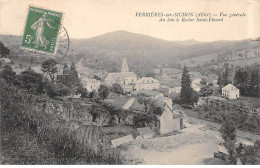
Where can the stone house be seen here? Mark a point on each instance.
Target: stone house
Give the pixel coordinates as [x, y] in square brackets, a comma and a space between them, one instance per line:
[90, 84]
[230, 91]
[147, 83]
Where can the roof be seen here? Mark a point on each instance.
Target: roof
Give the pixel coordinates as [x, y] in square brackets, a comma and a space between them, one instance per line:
[119, 76]
[137, 106]
[118, 141]
[196, 80]
[147, 80]
[89, 80]
[167, 71]
[230, 87]
[126, 102]
[120, 101]
[149, 92]
[223, 149]
[144, 131]
[169, 81]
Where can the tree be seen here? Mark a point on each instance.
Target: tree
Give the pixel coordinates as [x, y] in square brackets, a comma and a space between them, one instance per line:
[92, 94]
[187, 98]
[49, 67]
[82, 91]
[205, 91]
[31, 81]
[228, 130]
[58, 89]
[228, 133]
[144, 99]
[103, 92]
[8, 74]
[248, 155]
[4, 51]
[203, 81]
[74, 78]
[116, 88]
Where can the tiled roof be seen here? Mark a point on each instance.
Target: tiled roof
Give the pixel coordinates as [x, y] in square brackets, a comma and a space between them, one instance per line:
[230, 87]
[147, 80]
[119, 76]
[144, 131]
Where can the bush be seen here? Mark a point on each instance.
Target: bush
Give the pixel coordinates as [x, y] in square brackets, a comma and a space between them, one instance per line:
[63, 146]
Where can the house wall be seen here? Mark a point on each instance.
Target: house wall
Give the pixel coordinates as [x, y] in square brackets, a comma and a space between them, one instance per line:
[230, 94]
[168, 124]
[233, 94]
[147, 86]
[90, 86]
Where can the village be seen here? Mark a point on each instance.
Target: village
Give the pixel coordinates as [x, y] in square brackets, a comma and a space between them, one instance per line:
[159, 96]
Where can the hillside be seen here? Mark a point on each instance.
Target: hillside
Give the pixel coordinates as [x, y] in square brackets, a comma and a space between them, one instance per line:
[142, 52]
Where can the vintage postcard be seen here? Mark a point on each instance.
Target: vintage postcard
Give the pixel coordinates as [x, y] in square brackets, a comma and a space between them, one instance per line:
[130, 82]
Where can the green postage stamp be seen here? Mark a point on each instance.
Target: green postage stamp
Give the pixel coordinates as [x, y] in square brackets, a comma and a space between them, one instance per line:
[41, 30]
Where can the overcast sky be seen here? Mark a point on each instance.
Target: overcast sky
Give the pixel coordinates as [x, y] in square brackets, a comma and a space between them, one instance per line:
[89, 18]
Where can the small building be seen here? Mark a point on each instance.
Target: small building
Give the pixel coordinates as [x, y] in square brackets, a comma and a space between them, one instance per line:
[91, 84]
[222, 153]
[122, 140]
[145, 132]
[230, 91]
[147, 83]
[196, 84]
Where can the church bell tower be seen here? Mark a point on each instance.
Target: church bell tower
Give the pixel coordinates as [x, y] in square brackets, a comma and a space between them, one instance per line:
[124, 67]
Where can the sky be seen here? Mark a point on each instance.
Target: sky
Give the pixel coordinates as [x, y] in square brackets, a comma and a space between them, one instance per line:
[90, 18]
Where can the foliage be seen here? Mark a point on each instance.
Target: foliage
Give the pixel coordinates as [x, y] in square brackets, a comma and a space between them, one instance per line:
[50, 137]
[103, 92]
[144, 99]
[49, 67]
[205, 91]
[248, 155]
[247, 81]
[73, 77]
[8, 74]
[82, 91]
[93, 94]
[144, 119]
[31, 81]
[187, 97]
[223, 77]
[156, 110]
[116, 88]
[203, 81]
[58, 89]
[228, 131]
[4, 51]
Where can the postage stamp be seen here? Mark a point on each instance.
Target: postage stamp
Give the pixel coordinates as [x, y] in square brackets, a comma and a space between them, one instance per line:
[41, 30]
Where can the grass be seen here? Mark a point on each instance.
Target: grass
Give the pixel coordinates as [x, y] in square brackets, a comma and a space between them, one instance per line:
[31, 136]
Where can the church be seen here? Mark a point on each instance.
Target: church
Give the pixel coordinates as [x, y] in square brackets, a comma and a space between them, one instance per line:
[124, 78]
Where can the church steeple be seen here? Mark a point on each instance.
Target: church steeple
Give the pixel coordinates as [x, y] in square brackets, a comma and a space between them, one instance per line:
[124, 67]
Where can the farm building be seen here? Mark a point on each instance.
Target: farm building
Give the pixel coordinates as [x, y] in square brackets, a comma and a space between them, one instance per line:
[147, 83]
[230, 91]
[145, 132]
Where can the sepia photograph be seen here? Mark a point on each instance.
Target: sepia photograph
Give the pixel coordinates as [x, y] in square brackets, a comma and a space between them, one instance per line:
[130, 82]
